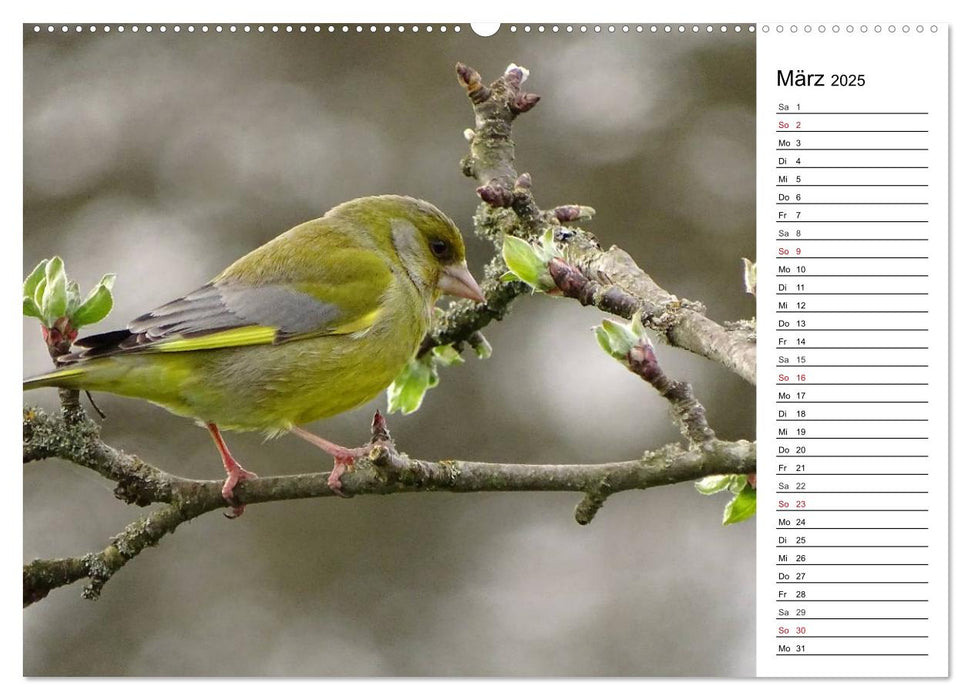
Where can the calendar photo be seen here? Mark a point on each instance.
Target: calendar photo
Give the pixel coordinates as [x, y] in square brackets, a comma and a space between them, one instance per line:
[383, 350]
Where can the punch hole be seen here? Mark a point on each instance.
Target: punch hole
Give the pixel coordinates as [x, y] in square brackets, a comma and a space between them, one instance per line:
[485, 28]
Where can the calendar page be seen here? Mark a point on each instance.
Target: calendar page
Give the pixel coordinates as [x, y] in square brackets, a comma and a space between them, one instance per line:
[547, 349]
[853, 232]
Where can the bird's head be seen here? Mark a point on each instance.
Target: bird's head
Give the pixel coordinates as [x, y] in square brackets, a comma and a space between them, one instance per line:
[430, 247]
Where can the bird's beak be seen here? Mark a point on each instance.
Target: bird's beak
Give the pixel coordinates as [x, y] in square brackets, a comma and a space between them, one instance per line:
[458, 281]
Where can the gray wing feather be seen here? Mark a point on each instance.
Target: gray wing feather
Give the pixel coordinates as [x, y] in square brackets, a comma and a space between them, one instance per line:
[221, 307]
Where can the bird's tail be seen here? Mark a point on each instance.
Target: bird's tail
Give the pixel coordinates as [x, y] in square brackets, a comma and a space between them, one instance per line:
[67, 378]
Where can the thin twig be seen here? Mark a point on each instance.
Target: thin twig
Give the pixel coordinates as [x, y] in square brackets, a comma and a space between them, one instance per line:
[618, 285]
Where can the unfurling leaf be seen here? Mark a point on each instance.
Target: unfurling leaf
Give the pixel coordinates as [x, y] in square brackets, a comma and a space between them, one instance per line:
[529, 263]
[741, 507]
[751, 276]
[618, 339]
[447, 355]
[31, 308]
[483, 350]
[713, 484]
[96, 305]
[408, 389]
[54, 301]
[34, 278]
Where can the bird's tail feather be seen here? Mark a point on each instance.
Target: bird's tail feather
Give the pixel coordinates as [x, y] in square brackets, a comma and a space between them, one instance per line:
[64, 378]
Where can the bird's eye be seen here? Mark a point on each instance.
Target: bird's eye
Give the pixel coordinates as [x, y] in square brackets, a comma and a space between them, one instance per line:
[439, 248]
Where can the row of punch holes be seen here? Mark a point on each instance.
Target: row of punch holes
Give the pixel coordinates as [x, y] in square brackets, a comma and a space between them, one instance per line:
[400, 28]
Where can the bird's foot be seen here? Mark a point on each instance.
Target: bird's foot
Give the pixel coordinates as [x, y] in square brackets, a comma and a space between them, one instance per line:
[344, 457]
[343, 462]
[236, 474]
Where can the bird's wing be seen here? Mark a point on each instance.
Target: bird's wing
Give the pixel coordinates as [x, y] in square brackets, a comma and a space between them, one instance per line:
[225, 313]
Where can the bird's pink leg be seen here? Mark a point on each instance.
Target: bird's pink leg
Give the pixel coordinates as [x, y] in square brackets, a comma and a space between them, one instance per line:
[343, 456]
[234, 471]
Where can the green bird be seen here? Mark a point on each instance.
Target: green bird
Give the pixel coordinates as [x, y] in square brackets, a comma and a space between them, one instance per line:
[314, 323]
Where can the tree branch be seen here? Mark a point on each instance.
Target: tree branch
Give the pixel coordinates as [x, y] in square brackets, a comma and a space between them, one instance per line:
[613, 282]
[385, 471]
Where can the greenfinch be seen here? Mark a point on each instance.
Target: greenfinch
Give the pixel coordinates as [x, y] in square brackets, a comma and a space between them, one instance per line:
[312, 324]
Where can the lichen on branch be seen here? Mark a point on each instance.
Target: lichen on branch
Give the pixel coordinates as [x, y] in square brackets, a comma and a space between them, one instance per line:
[610, 279]
[384, 471]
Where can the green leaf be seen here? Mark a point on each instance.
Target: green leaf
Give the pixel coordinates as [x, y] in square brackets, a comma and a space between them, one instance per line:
[483, 350]
[34, 278]
[713, 484]
[616, 339]
[741, 507]
[738, 483]
[408, 389]
[31, 308]
[97, 305]
[528, 263]
[73, 297]
[521, 259]
[547, 246]
[447, 355]
[55, 267]
[39, 293]
[54, 303]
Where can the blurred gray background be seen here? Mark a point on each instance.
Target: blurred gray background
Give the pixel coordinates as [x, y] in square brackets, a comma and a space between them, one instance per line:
[164, 157]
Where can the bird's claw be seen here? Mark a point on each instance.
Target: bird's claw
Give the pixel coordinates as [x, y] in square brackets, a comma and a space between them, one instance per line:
[342, 465]
[235, 476]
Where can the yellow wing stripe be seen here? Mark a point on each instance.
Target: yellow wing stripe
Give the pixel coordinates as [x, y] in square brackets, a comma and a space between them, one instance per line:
[232, 338]
[252, 335]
